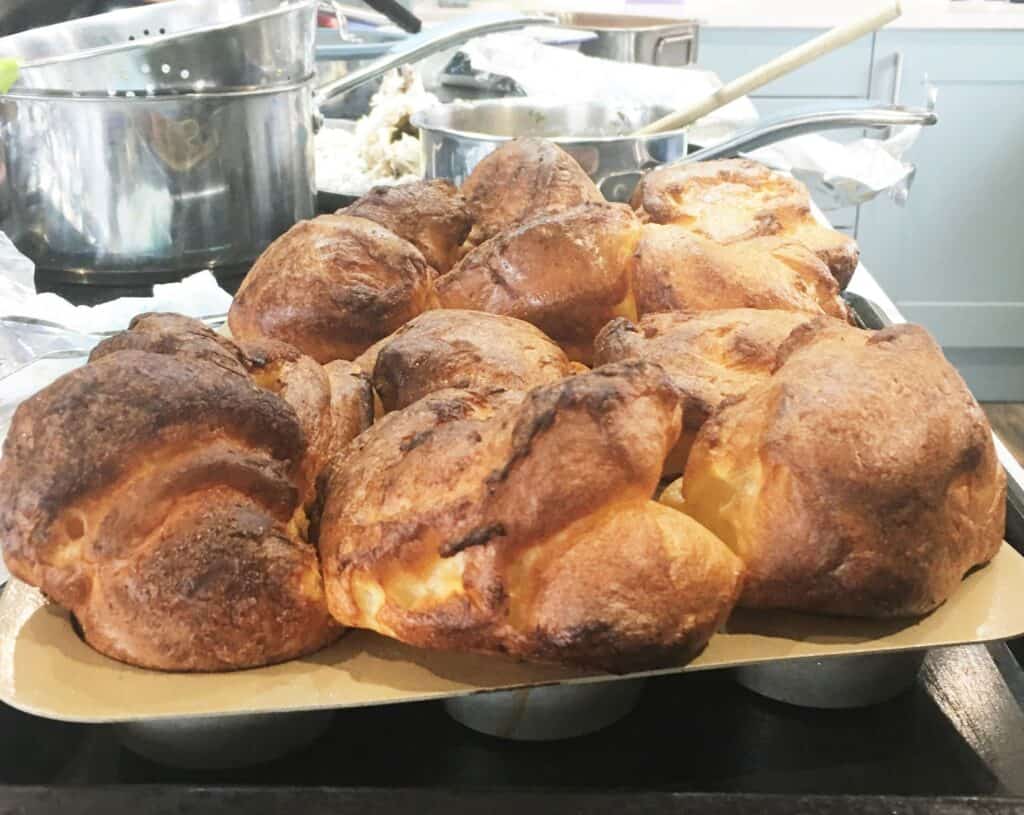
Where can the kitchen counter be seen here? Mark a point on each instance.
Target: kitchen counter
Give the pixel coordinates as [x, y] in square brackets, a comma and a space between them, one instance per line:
[976, 15]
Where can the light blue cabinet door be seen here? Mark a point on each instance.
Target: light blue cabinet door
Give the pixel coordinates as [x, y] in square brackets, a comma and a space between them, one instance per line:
[953, 258]
[731, 52]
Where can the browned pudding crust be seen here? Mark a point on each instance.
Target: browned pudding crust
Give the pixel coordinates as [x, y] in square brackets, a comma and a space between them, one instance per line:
[567, 273]
[736, 199]
[453, 348]
[522, 179]
[174, 335]
[160, 494]
[431, 215]
[351, 404]
[332, 287]
[539, 539]
[860, 479]
[712, 357]
[303, 384]
[678, 270]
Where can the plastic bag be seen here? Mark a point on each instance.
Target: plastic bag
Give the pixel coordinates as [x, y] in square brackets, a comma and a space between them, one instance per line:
[44, 335]
[17, 272]
[559, 75]
[843, 175]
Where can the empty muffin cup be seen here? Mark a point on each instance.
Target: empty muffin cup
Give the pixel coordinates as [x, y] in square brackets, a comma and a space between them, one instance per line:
[547, 713]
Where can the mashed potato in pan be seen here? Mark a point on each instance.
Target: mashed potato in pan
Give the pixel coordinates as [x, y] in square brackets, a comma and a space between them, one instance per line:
[382, 148]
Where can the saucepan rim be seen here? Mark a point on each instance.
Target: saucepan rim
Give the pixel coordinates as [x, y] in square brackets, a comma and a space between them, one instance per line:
[423, 120]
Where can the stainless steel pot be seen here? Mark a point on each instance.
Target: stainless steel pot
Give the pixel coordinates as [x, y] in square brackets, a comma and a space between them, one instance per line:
[456, 136]
[104, 188]
[630, 38]
[97, 188]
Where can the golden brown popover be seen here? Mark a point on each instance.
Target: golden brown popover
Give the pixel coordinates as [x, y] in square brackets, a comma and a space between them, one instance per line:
[860, 479]
[351, 404]
[522, 179]
[567, 273]
[538, 538]
[332, 287]
[453, 348]
[734, 200]
[678, 270]
[712, 357]
[160, 494]
[431, 215]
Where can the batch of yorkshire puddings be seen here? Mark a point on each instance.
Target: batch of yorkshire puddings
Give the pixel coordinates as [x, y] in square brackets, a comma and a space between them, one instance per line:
[511, 419]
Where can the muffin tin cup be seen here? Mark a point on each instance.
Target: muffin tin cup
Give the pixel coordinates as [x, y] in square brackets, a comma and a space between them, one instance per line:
[223, 742]
[835, 683]
[547, 713]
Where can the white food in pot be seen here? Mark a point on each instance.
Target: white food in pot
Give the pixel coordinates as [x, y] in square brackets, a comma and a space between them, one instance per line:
[379, 150]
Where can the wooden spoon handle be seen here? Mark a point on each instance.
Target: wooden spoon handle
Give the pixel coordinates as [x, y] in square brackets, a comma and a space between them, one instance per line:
[790, 61]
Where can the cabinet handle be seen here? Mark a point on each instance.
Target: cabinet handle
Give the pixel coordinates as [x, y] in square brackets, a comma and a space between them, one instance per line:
[897, 83]
[931, 93]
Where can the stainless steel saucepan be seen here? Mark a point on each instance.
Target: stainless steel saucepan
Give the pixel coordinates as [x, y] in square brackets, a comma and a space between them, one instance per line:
[456, 136]
[109, 186]
[631, 38]
[97, 189]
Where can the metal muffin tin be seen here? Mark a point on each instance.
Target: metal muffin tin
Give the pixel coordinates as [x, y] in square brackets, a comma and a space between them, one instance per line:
[842, 682]
[548, 712]
[223, 742]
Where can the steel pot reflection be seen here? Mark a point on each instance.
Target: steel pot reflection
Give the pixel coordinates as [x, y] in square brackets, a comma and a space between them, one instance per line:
[161, 185]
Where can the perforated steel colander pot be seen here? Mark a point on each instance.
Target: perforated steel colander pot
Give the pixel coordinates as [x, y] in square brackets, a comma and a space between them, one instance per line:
[182, 46]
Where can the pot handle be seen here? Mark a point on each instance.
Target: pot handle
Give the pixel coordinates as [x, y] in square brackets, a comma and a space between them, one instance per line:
[774, 130]
[427, 43]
